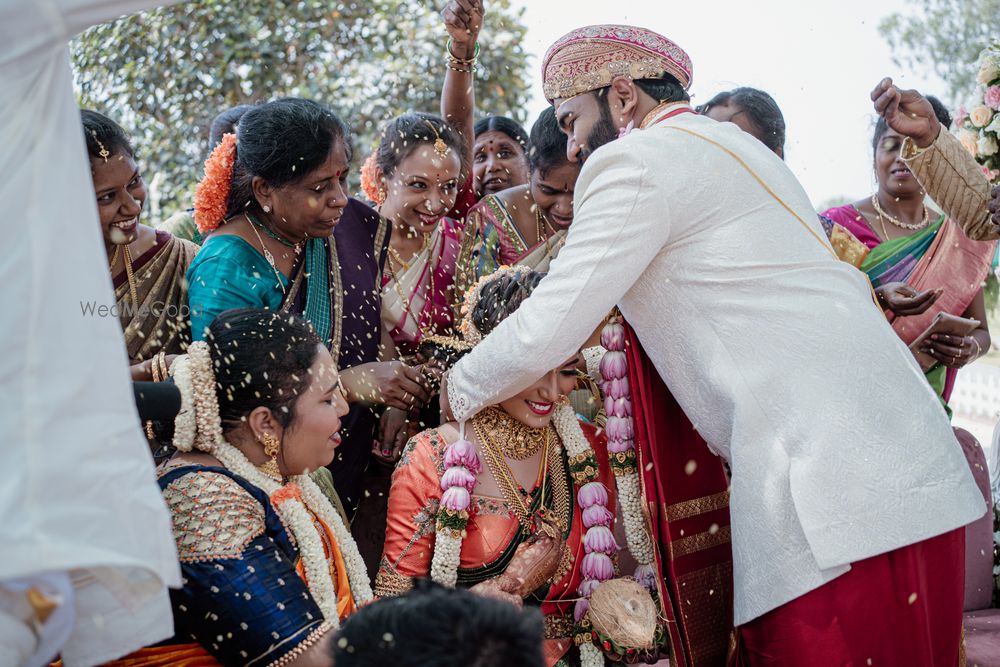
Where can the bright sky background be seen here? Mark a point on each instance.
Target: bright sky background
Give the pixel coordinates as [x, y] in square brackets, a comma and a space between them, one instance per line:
[819, 60]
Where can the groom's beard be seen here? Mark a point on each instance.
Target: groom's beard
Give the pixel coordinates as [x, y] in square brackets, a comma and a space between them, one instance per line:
[603, 132]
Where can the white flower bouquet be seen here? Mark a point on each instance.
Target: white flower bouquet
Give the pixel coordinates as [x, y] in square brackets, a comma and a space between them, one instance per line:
[977, 124]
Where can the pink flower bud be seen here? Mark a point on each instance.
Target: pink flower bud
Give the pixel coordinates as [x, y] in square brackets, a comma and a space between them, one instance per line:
[613, 337]
[620, 407]
[613, 366]
[463, 453]
[587, 587]
[646, 575]
[599, 539]
[458, 476]
[597, 515]
[456, 498]
[581, 608]
[616, 388]
[619, 446]
[619, 428]
[592, 493]
[597, 566]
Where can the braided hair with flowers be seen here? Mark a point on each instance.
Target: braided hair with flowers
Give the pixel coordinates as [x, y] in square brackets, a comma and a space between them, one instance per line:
[199, 425]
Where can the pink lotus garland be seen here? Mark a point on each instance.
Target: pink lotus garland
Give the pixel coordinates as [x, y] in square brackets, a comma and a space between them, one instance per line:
[620, 430]
[462, 465]
[598, 543]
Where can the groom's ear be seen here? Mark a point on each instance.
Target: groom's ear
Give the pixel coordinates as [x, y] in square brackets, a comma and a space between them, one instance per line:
[623, 98]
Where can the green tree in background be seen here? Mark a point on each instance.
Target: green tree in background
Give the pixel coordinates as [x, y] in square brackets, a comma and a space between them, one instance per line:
[165, 74]
[944, 36]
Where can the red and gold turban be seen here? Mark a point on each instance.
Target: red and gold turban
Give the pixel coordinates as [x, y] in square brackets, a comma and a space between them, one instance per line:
[592, 57]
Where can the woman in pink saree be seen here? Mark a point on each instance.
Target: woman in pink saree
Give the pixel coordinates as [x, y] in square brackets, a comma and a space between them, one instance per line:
[925, 251]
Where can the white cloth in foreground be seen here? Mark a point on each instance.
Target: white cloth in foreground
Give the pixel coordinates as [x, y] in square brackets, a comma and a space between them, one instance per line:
[78, 491]
[838, 447]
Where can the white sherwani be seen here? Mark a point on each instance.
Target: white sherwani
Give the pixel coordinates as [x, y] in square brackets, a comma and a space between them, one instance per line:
[78, 491]
[839, 449]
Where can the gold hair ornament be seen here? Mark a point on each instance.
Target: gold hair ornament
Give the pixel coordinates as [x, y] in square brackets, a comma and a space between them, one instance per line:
[441, 148]
[104, 153]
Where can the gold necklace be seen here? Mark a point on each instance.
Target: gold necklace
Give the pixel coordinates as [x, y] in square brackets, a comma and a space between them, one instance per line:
[541, 222]
[541, 521]
[518, 441]
[129, 275]
[425, 330]
[267, 254]
[406, 265]
[896, 221]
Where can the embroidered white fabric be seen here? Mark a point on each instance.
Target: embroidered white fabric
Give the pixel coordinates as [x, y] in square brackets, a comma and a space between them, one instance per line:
[839, 448]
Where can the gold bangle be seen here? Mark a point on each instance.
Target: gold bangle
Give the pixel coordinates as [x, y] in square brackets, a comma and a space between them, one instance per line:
[979, 348]
[463, 61]
[154, 368]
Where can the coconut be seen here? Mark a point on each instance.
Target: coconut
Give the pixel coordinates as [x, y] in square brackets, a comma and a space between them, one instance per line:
[623, 611]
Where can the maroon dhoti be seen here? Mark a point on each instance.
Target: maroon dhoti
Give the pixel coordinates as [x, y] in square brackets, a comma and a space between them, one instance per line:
[903, 607]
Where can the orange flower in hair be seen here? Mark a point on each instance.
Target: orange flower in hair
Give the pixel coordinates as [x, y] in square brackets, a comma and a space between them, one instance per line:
[369, 179]
[212, 193]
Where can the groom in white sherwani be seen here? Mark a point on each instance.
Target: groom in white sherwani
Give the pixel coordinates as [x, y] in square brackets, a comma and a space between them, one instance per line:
[848, 487]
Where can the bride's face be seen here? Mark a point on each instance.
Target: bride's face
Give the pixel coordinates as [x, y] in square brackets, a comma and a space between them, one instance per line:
[310, 440]
[533, 407]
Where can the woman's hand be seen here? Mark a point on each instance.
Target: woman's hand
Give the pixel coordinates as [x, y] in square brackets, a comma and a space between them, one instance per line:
[953, 351]
[907, 112]
[903, 300]
[534, 563]
[500, 588]
[463, 19]
[391, 383]
[394, 431]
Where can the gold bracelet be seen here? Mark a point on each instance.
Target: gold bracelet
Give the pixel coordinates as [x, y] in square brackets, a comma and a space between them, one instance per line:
[154, 367]
[459, 69]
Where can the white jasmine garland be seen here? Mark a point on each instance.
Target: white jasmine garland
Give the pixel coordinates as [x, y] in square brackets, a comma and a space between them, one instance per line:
[185, 426]
[636, 533]
[447, 556]
[206, 414]
[357, 573]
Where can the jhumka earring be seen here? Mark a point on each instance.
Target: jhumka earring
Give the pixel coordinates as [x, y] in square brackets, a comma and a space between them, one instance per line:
[271, 448]
[382, 194]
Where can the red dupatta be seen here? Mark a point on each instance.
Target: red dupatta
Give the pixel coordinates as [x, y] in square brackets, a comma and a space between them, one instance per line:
[687, 497]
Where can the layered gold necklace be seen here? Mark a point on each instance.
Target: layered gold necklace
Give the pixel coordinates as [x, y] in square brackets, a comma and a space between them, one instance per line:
[128, 273]
[517, 440]
[406, 265]
[494, 430]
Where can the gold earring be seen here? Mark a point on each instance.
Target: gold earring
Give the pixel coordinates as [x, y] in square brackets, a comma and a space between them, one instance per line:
[271, 448]
[382, 194]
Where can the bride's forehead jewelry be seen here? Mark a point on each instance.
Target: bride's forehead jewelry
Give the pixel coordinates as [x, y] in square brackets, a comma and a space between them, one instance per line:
[440, 147]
